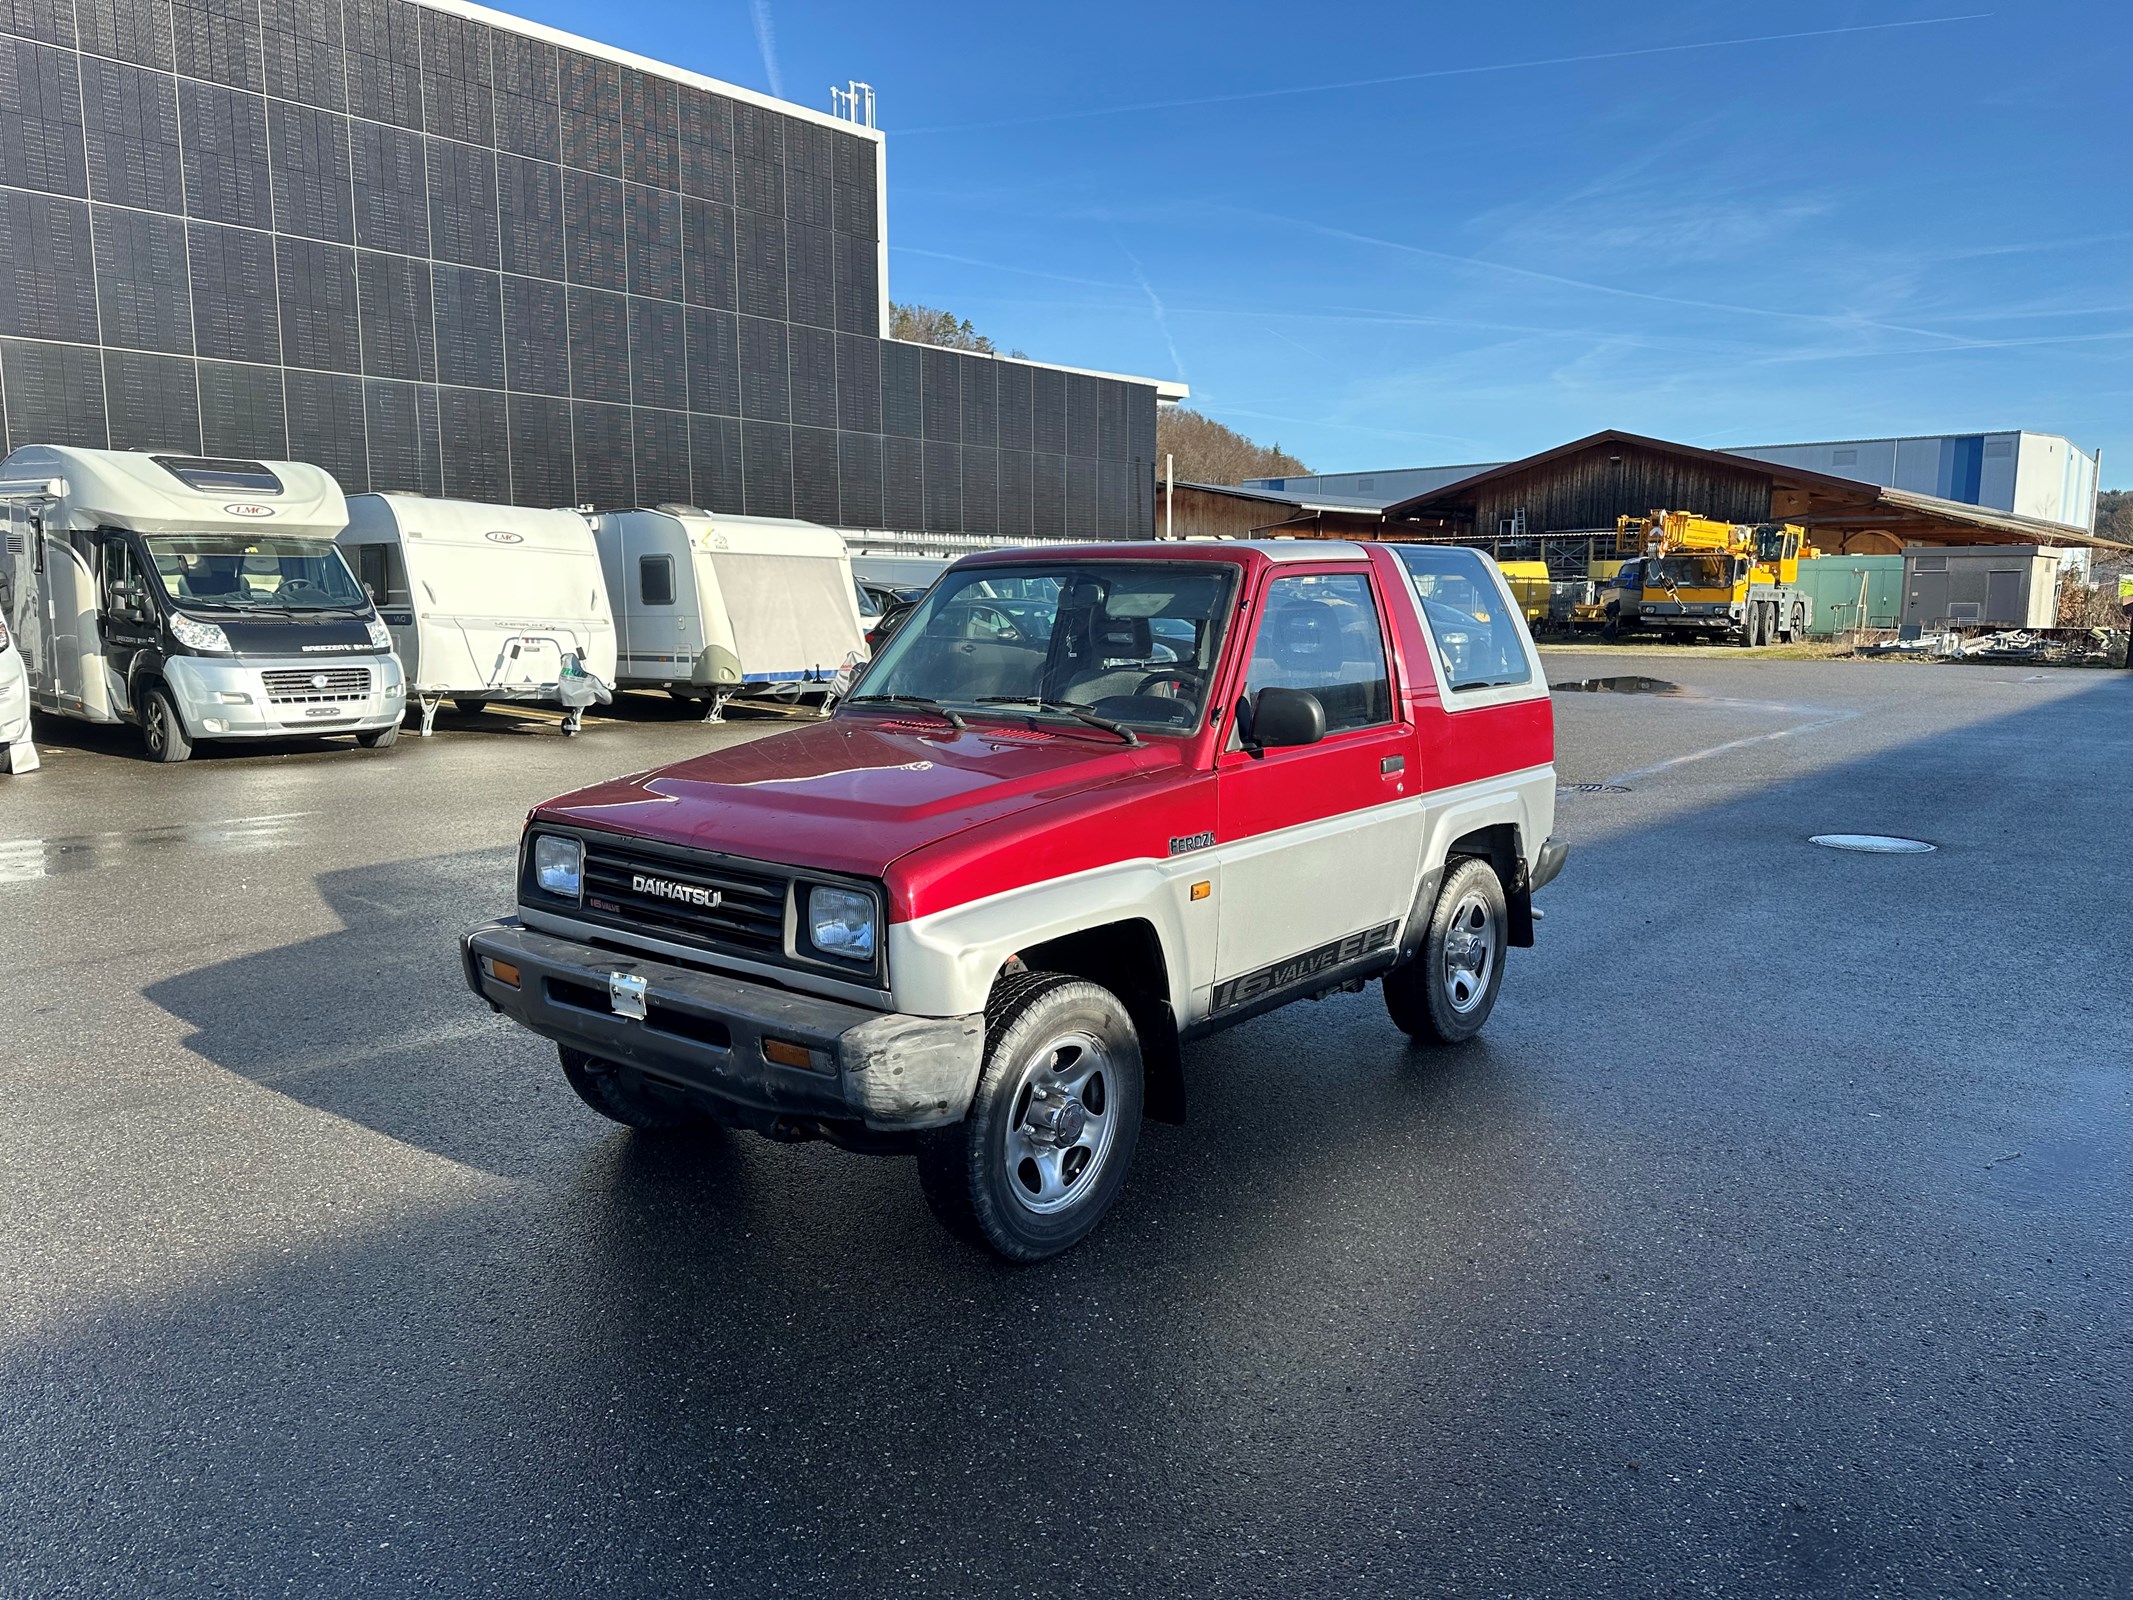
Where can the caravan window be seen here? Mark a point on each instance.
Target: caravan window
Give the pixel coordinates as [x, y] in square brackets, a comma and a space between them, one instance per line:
[655, 580]
[384, 574]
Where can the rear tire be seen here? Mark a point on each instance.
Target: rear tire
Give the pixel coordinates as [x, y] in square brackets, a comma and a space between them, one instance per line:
[1044, 1150]
[624, 1095]
[1799, 624]
[379, 738]
[1444, 994]
[469, 708]
[161, 731]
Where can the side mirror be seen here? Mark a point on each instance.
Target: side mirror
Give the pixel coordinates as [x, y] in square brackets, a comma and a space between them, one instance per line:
[1285, 717]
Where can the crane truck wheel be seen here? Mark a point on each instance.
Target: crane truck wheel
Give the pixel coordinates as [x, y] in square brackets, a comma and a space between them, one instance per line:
[1799, 623]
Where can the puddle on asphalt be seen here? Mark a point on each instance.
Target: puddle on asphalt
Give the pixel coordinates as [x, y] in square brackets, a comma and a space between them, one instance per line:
[24, 860]
[1628, 685]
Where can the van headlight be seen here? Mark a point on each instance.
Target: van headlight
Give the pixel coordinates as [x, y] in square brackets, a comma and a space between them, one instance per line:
[380, 636]
[558, 865]
[840, 923]
[199, 635]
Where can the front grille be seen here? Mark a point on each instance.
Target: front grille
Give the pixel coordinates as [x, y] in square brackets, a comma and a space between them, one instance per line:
[750, 914]
[304, 688]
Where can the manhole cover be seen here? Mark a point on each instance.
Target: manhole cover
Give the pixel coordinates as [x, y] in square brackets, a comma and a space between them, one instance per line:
[1873, 844]
[1592, 788]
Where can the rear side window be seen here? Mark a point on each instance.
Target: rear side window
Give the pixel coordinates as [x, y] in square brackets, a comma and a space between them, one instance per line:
[1320, 632]
[1472, 620]
[655, 580]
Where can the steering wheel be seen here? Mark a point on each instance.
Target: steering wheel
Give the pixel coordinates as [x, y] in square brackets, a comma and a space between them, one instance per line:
[1175, 675]
[294, 586]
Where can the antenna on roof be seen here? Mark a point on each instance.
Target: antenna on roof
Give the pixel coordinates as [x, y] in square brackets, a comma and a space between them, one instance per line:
[854, 102]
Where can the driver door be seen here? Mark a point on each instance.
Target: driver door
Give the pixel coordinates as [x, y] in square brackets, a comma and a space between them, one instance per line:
[126, 616]
[1320, 842]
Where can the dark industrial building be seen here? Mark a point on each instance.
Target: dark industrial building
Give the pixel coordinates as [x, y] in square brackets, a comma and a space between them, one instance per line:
[433, 248]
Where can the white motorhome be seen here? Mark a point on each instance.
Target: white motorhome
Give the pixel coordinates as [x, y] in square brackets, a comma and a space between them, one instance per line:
[194, 597]
[485, 602]
[711, 606]
[17, 753]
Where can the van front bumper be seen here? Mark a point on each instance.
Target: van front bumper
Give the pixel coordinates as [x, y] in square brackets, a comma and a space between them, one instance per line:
[705, 1032]
[227, 698]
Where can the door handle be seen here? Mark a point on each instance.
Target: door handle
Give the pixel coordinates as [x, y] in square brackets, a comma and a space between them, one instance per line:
[1392, 766]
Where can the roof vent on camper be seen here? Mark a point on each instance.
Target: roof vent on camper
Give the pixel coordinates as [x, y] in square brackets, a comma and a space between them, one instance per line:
[680, 508]
[213, 475]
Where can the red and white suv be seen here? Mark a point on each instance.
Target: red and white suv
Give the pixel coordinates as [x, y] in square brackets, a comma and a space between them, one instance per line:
[1088, 804]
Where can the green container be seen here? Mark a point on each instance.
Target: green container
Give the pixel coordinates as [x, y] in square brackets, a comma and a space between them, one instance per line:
[1834, 584]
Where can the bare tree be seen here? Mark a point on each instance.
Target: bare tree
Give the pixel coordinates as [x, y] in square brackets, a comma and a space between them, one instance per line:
[924, 325]
[1207, 452]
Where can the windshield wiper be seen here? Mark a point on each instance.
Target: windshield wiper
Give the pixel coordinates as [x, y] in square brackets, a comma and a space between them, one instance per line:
[953, 719]
[1064, 709]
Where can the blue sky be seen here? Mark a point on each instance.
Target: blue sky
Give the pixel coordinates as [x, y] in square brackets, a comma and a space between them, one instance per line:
[1517, 223]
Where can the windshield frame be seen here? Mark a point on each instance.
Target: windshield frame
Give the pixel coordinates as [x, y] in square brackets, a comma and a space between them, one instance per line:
[952, 588]
[310, 547]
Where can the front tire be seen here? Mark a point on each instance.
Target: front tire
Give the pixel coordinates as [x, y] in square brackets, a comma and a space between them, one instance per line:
[161, 731]
[1444, 994]
[1044, 1150]
[379, 738]
[624, 1095]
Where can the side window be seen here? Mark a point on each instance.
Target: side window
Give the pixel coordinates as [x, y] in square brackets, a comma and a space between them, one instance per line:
[383, 573]
[1320, 632]
[122, 575]
[655, 580]
[1474, 624]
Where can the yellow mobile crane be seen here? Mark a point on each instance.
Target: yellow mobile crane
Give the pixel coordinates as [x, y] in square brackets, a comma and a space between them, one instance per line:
[1738, 581]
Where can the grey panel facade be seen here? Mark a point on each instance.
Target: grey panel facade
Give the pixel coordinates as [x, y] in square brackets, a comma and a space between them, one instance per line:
[436, 255]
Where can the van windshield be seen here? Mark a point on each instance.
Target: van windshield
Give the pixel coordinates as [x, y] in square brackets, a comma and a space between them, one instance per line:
[252, 572]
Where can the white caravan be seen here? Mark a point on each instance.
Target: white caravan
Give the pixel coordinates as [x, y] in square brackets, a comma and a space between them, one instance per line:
[485, 602]
[711, 606]
[194, 597]
[17, 753]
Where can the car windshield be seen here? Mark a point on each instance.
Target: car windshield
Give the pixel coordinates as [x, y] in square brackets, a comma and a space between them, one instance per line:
[1689, 572]
[254, 572]
[1134, 642]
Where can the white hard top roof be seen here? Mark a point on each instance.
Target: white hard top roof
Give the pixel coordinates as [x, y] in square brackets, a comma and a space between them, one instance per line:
[469, 522]
[168, 492]
[762, 536]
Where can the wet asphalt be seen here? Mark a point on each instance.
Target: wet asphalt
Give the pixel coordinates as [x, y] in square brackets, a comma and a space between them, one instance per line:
[1772, 1241]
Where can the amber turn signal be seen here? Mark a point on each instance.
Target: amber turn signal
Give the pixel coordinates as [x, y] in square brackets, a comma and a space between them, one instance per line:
[501, 971]
[787, 1054]
[1201, 890]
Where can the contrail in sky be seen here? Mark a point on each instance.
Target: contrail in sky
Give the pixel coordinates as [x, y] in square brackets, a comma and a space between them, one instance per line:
[762, 28]
[766, 40]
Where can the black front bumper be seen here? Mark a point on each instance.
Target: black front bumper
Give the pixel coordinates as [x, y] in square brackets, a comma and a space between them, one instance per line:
[704, 1032]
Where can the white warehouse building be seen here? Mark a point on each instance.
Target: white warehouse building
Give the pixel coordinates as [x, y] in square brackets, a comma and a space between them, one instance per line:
[2038, 475]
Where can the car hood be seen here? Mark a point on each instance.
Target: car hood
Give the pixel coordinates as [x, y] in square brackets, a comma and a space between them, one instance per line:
[854, 794]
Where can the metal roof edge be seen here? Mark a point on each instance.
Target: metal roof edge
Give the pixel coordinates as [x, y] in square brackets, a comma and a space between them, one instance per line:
[664, 69]
[1165, 388]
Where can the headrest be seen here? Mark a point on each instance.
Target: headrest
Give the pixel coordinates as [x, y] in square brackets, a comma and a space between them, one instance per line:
[1121, 638]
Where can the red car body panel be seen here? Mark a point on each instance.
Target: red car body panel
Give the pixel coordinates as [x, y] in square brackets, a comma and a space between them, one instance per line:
[943, 819]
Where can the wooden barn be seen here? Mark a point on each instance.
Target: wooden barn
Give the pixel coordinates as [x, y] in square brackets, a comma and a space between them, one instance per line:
[1561, 506]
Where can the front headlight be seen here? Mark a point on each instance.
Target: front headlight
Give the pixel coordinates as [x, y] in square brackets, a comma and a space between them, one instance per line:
[840, 922]
[558, 865]
[380, 636]
[199, 635]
